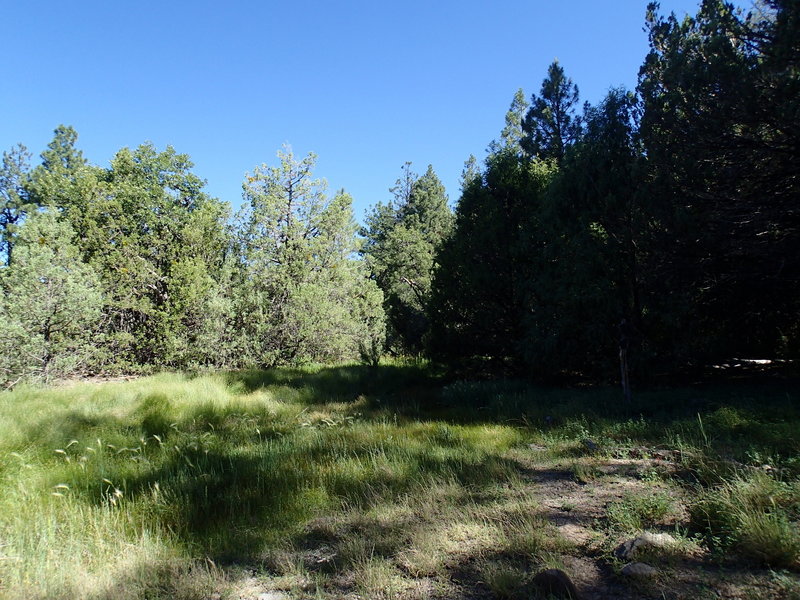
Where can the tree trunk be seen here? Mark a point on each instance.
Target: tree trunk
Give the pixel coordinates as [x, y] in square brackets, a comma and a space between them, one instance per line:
[624, 345]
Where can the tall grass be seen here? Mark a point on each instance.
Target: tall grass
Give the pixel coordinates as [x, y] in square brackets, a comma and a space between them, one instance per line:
[754, 515]
[148, 488]
[171, 468]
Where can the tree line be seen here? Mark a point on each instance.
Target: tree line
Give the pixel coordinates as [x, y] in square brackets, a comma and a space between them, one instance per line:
[134, 267]
[657, 229]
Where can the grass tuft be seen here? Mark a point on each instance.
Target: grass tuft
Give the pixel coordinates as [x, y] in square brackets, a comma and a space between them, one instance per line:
[754, 515]
[637, 512]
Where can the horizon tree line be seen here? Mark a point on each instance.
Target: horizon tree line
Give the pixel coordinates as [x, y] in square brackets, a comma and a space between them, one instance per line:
[654, 231]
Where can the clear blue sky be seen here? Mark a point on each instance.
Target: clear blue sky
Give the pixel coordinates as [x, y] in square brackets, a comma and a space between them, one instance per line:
[366, 85]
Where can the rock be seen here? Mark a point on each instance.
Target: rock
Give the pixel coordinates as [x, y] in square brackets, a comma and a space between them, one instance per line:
[639, 570]
[554, 582]
[590, 445]
[215, 596]
[273, 596]
[646, 541]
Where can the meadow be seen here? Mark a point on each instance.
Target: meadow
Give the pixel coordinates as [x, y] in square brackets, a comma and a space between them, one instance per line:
[394, 482]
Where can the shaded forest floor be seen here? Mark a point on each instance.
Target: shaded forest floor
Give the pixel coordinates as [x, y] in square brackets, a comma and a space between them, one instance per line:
[390, 482]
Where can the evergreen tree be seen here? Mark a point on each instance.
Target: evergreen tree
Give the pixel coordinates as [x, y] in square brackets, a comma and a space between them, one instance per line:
[470, 172]
[721, 130]
[301, 295]
[589, 292]
[50, 305]
[14, 198]
[159, 242]
[512, 134]
[57, 180]
[401, 239]
[551, 125]
[155, 239]
[479, 299]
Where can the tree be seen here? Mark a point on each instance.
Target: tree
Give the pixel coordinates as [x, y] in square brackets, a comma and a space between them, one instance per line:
[550, 125]
[401, 239]
[56, 181]
[50, 306]
[471, 172]
[512, 134]
[154, 237]
[159, 241]
[591, 289]
[301, 296]
[478, 298]
[14, 200]
[721, 131]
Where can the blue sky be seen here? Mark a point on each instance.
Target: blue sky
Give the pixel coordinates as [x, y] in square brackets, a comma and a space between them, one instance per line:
[366, 85]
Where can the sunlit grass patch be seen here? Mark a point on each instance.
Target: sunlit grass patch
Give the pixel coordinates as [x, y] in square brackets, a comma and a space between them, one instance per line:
[755, 516]
[439, 546]
[379, 578]
[58, 547]
[641, 510]
[504, 579]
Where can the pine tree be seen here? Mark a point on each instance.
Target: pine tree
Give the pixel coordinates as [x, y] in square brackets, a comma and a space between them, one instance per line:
[15, 202]
[721, 131]
[50, 305]
[401, 239]
[478, 299]
[551, 125]
[301, 296]
[512, 134]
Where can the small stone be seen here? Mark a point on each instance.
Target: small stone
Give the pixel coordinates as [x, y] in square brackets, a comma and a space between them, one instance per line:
[273, 596]
[555, 582]
[639, 570]
[590, 445]
[628, 550]
[215, 596]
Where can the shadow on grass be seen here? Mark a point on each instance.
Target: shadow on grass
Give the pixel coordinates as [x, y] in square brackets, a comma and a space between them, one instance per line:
[231, 482]
[420, 392]
[227, 494]
[340, 383]
[234, 506]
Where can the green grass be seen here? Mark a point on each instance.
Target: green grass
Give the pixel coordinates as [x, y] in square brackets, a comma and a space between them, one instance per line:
[638, 512]
[752, 514]
[160, 487]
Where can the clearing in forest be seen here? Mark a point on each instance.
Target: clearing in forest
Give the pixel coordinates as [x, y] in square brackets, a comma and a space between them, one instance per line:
[390, 482]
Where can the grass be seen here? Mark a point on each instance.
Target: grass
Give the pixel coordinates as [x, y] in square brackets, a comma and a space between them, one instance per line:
[638, 512]
[503, 579]
[380, 482]
[753, 514]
